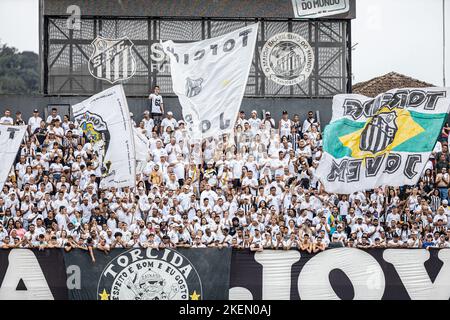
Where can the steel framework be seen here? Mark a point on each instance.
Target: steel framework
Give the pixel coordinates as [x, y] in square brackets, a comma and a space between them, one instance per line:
[67, 52]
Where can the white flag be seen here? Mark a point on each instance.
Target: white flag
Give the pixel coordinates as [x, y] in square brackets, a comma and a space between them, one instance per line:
[386, 140]
[105, 120]
[10, 139]
[142, 145]
[210, 77]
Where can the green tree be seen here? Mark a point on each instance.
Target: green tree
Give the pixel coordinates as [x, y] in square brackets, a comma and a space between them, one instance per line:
[19, 71]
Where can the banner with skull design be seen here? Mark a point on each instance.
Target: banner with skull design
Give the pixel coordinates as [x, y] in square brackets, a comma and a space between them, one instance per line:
[386, 140]
[152, 274]
[105, 121]
[209, 78]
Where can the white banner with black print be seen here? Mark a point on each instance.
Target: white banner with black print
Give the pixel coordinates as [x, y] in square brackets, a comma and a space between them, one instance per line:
[105, 121]
[209, 78]
[10, 139]
[386, 140]
[220, 274]
[341, 273]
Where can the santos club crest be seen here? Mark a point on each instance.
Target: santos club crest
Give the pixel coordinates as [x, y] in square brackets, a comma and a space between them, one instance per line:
[287, 59]
[149, 274]
[112, 59]
[96, 131]
[379, 132]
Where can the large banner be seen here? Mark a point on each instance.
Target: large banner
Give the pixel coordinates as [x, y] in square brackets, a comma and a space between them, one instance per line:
[33, 275]
[385, 140]
[209, 274]
[209, 78]
[10, 139]
[105, 121]
[151, 274]
[342, 273]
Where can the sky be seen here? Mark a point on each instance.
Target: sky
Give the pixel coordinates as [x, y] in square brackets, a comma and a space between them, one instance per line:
[404, 36]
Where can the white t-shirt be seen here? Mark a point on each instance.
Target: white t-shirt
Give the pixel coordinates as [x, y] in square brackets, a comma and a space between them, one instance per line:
[254, 124]
[50, 118]
[343, 207]
[6, 120]
[34, 123]
[156, 101]
[166, 122]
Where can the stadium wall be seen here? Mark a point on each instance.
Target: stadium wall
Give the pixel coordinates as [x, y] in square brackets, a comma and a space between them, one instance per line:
[212, 273]
[26, 104]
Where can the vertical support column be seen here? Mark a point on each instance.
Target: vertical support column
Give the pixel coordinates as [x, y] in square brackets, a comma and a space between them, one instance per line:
[259, 73]
[44, 58]
[291, 88]
[149, 60]
[71, 60]
[316, 59]
[349, 56]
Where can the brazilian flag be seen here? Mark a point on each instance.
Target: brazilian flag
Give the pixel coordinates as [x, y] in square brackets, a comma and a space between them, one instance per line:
[386, 140]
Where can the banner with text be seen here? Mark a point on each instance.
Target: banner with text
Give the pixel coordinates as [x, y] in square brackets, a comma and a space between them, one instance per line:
[341, 273]
[209, 78]
[151, 274]
[386, 140]
[210, 274]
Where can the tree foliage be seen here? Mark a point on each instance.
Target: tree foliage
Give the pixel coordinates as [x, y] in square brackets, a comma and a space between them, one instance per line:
[19, 71]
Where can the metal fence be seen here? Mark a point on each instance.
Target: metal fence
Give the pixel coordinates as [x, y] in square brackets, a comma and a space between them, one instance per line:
[67, 53]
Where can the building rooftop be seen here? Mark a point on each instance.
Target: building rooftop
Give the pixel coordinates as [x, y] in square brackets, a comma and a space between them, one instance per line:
[391, 80]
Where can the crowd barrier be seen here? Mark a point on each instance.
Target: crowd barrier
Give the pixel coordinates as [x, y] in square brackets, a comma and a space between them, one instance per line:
[221, 274]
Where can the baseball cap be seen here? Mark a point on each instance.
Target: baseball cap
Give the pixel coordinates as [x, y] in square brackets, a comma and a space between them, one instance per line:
[444, 201]
[285, 112]
[35, 110]
[170, 113]
[267, 113]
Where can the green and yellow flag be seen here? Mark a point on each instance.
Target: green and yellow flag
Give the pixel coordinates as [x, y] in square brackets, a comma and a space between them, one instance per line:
[387, 140]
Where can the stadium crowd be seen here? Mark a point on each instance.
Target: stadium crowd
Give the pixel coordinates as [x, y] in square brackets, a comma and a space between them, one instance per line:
[255, 188]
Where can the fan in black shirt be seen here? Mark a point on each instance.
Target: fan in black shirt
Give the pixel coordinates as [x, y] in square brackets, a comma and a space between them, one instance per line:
[40, 134]
[48, 222]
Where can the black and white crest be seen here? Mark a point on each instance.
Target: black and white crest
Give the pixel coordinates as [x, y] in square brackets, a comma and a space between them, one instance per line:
[287, 59]
[379, 132]
[193, 87]
[112, 59]
[150, 274]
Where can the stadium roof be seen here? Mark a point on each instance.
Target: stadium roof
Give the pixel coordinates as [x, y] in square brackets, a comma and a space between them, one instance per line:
[391, 80]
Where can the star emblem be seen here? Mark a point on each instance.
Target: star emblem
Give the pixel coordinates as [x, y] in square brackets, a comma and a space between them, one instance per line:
[225, 82]
[195, 296]
[407, 129]
[104, 295]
